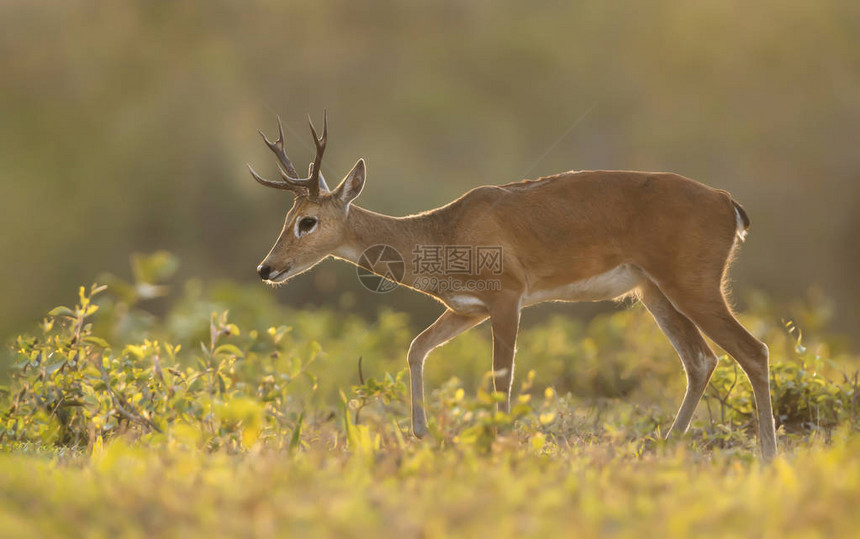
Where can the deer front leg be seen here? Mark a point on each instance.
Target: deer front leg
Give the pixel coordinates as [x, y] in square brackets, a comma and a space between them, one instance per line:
[505, 318]
[445, 328]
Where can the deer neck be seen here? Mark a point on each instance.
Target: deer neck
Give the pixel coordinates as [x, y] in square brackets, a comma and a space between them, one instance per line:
[367, 228]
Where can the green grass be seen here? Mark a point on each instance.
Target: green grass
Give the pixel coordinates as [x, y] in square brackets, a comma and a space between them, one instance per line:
[202, 423]
[419, 490]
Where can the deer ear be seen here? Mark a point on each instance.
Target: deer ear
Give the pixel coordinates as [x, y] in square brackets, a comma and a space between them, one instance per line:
[352, 184]
[323, 187]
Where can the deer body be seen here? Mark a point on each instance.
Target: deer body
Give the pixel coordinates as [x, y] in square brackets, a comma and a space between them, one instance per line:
[576, 236]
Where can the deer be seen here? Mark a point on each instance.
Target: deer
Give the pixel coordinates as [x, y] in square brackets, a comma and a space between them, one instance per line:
[659, 238]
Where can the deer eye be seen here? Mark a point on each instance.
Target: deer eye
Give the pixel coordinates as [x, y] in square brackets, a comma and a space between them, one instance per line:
[307, 224]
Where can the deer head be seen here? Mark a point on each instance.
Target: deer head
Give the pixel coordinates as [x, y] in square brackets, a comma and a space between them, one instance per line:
[316, 225]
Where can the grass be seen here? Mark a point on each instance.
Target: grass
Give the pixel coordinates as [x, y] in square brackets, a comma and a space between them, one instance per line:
[417, 490]
[120, 424]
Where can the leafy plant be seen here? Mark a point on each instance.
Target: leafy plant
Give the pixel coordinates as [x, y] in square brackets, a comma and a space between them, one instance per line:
[107, 368]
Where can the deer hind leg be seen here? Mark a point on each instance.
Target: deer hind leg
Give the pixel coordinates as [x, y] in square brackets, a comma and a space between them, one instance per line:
[697, 357]
[445, 328]
[707, 308]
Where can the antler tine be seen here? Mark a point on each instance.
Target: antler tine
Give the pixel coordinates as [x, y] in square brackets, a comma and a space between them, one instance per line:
[284, 186]
[320, 143]
[277, 148]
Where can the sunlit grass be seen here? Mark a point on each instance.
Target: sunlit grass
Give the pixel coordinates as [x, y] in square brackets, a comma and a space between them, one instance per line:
[419, 490]
[117, 423]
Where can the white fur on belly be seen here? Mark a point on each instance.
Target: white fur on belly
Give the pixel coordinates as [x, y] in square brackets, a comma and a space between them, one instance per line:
[465, 304]
[612, 284]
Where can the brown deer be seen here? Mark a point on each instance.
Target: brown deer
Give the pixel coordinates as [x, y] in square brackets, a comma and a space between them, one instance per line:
[574, 236]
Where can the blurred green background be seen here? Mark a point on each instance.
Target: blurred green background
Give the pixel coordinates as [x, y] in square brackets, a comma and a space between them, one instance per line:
[126, 126]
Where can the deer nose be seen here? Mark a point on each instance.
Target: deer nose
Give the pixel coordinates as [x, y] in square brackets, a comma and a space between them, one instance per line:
[264, 271]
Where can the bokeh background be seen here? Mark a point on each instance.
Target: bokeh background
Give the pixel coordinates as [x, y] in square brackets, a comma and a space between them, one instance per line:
[126, 126]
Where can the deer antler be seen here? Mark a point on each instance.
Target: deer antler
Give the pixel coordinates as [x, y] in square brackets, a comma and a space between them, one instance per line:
[291, 181]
